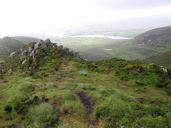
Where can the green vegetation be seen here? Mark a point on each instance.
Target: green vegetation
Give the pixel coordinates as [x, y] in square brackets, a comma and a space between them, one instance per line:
[41, 116]
[55, 88]
[148, 44]
[161, 59]
[94, 48]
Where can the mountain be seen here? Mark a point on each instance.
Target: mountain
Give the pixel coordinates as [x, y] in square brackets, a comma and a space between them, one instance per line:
[145, 45]
[160, 37]
[8, 45]
[11, 44]
[163, 59]
[25, 39]
[158, 40]
[44, 85]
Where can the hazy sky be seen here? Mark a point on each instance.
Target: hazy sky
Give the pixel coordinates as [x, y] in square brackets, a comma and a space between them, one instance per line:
[53, 16]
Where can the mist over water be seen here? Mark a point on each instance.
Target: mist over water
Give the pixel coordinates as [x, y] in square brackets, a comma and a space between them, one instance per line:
[104, 36]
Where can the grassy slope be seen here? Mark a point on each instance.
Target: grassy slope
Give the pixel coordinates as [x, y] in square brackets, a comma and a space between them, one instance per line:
[56, 89]
[113, 102]
[161, 59]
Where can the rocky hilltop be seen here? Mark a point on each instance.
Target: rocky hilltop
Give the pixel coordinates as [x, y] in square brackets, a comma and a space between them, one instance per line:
[39, 55]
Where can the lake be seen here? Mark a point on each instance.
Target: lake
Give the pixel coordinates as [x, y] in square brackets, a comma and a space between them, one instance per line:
[104, 36]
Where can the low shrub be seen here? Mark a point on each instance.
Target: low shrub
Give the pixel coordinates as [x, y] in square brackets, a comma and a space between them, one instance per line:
[72, 107]
[117, 113]
[8, 108]
[112, 110]
[27, 88]
[21, 104]
[169, 118]
[41, 116]
[163, 81]
[150, 122]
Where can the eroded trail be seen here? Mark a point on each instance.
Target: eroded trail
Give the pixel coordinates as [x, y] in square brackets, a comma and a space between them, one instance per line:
[86, 101]
[88, 104]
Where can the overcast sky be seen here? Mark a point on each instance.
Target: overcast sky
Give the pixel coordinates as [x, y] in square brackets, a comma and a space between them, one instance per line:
[52, 16]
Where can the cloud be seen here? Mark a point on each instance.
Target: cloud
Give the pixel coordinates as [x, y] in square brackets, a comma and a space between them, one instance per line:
[128, 4]
[40, 16]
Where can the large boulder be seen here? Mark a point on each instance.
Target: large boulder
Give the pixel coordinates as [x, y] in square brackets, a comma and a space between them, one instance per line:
[47, 41]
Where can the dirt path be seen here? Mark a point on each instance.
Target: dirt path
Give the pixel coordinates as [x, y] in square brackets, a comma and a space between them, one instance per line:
[86, 101]
[88, 104]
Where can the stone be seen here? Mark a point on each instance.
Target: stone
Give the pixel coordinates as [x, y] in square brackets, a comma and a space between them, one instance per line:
[164, 69]
[36, 45]
[42, 44]
[23, 62]
[47, 41]
[12, 54]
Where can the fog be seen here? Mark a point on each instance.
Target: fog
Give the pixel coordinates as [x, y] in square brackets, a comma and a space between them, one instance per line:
[54, 17]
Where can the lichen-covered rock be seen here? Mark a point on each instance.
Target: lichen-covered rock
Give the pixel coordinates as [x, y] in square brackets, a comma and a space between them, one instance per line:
[164, 69]
[41, 55]
[47, 41]
[23, 62]
[12, 54]
[36, 45]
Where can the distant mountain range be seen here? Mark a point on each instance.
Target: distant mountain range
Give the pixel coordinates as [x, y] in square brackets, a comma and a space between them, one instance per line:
[148, 44]
[152, 46]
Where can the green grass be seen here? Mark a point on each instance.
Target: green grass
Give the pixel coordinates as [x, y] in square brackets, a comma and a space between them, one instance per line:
[41, 116]
[161, 59]
[64, 91]
[116, 102]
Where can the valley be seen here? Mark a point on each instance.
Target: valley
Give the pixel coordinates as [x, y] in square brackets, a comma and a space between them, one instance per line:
[85, 64]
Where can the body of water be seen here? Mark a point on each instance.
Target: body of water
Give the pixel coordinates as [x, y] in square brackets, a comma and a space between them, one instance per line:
[104, 36]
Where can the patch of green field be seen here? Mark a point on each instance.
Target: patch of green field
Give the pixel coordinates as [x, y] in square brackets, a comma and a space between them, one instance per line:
[94, 48]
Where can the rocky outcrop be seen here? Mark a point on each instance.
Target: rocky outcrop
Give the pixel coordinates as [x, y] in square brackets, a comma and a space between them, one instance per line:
[41, 54]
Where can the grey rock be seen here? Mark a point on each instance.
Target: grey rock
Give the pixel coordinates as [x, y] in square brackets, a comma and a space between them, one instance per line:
[23, 62]
[12, 54]
[47, 41]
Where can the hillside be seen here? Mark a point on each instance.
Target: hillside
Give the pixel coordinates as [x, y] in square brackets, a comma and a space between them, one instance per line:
[8, 45]
[160, 37]
[11, 44]
[148, 44]
[161, 59]
[25, 39]
[44, 85]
